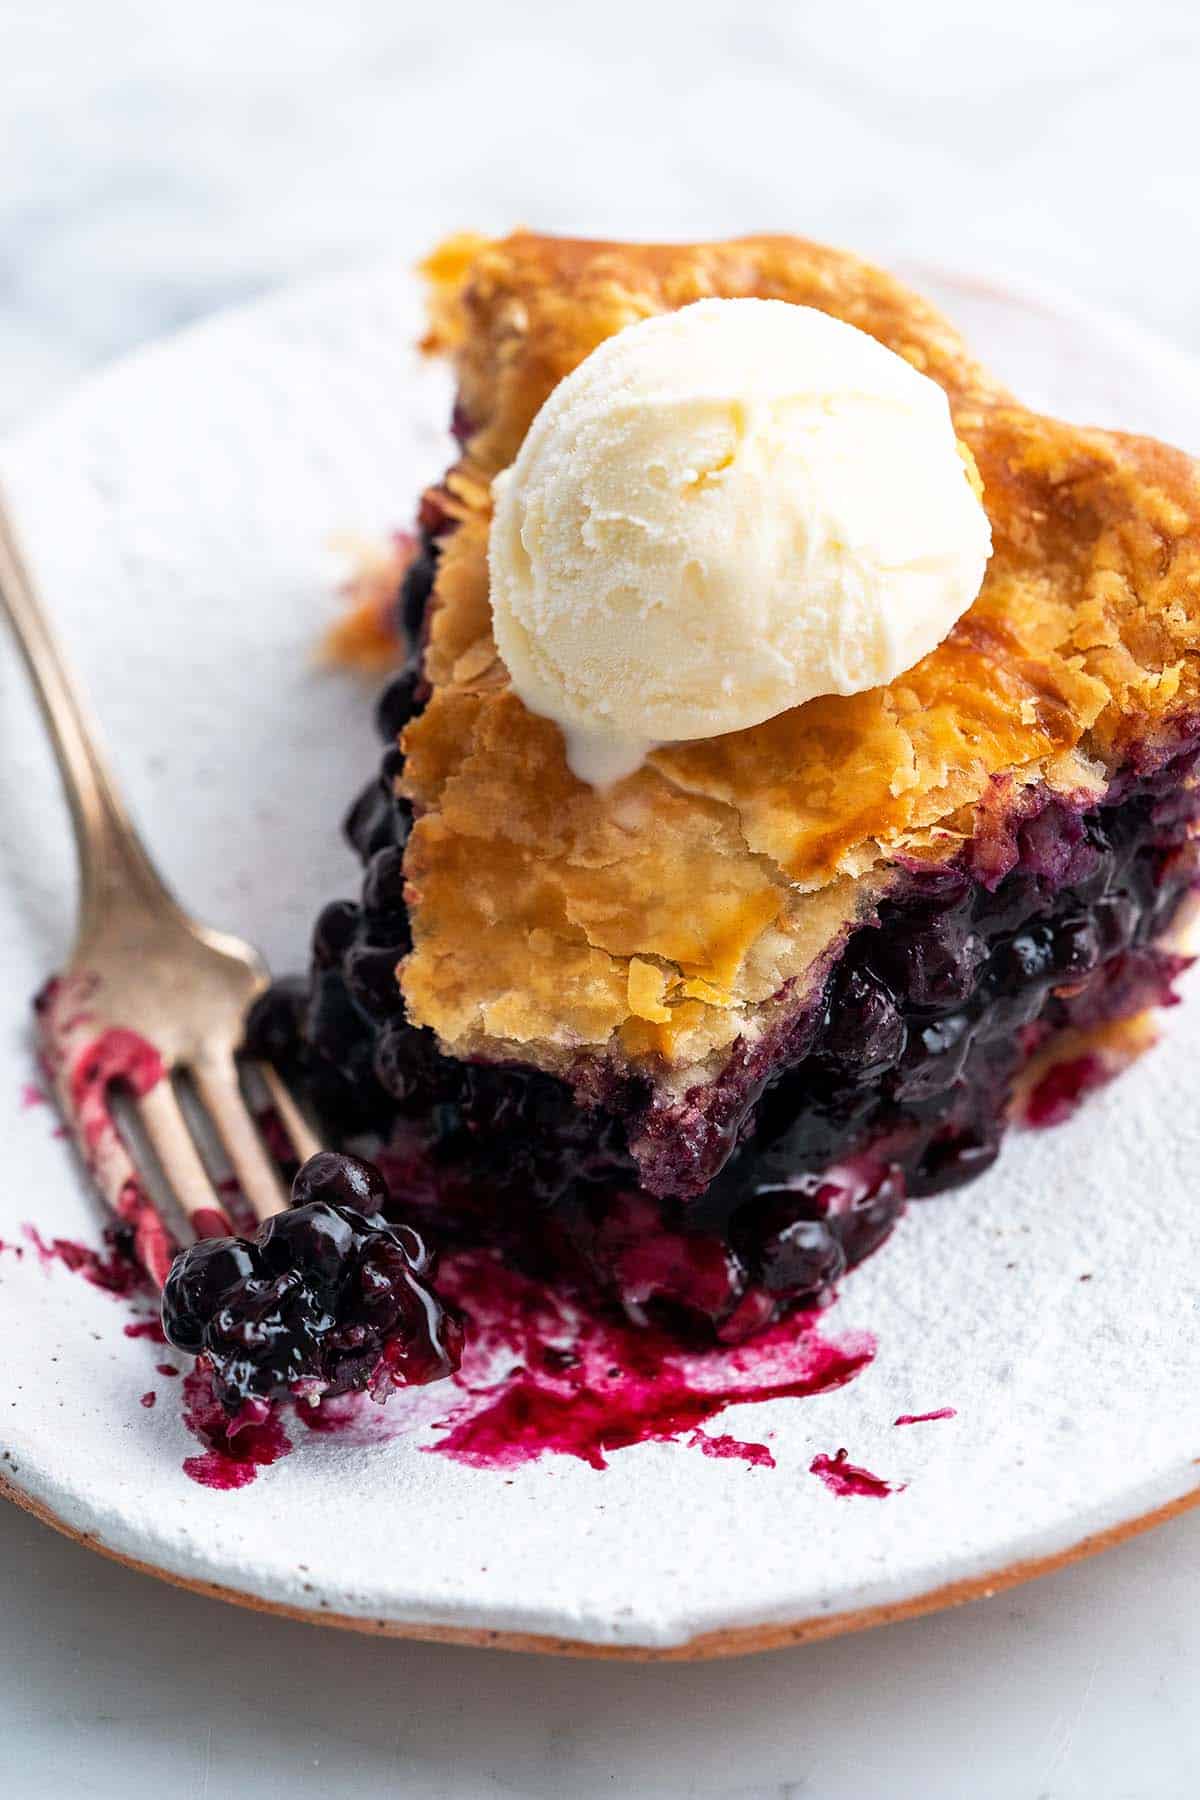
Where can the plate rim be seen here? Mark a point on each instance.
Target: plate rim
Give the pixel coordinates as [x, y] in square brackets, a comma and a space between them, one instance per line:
[706, 1646]
[724, 1641]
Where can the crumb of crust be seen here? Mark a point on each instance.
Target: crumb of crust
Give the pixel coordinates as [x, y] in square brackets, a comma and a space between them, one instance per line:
[1109, 1048]
[365, 636]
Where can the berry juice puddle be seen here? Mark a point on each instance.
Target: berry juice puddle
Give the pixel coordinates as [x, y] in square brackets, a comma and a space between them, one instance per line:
[324, 1301]
[543, 1375]
[540, 1374]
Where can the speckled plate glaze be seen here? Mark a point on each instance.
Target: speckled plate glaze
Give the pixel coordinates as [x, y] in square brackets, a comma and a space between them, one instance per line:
[178, 510]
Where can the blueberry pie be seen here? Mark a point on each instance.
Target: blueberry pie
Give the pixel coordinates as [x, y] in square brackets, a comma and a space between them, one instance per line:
[691, 1031]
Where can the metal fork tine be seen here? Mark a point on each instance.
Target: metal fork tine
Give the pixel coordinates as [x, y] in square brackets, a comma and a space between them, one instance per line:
[220, 1091]
[165, 1126]
[142, 974]
[305, 1141]
[121, 1184]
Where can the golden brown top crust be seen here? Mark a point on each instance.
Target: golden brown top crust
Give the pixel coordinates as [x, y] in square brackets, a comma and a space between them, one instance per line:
[654, 923]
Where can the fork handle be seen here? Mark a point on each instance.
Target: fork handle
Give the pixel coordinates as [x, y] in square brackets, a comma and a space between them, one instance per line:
[111, 855]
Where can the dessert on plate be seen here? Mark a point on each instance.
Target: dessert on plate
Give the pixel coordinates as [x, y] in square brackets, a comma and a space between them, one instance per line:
[793, 764]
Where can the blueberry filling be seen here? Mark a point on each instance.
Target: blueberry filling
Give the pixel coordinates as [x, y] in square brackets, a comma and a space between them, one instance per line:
[715, 1213]
[325, 1298]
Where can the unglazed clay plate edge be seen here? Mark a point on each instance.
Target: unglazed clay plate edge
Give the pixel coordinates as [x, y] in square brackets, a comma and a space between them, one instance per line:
[178, 509]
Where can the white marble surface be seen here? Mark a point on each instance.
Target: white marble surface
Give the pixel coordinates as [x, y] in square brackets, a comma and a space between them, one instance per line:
[161, 160]
[1080, 1688]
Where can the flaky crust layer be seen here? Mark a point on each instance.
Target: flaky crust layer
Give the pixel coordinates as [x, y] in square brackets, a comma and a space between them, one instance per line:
[658, 923]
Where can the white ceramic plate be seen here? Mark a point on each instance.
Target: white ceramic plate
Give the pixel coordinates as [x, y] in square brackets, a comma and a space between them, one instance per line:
[177, 511]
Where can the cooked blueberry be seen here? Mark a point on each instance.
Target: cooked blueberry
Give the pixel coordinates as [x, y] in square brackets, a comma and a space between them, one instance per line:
[370, 974]
[415, 592]
[376, 820]
[324, 1298]
[398, 703]
[937, 888]
[1053, 845]
[1029, 956]
[266, 1337]
[1176, 877]
[864, 1226]
[384, 1296]
[1009, 1006]
[1115, 919]
[1000, 911]
[387, 923]
[864, 1032]
[419, 1257]
[934, 1058]
[407, 1063]
[955, 1157]
[1174, 808]
[800, 1259]
[334, 932]
[196, 1283]
[314, 1237]
[337, 1179]
[383, 883]
[391, 768]
[1076, 947]
[934, 966]
[335, 1027]
[272, 1315]
[274, 1022]
[389, 931]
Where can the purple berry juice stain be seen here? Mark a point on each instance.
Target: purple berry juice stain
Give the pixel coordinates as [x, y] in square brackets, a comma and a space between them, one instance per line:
[542, 1376]
[847, 1480]
[235, 1449]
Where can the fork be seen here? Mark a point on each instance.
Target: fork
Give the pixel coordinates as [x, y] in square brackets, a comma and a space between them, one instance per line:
[150, 1000]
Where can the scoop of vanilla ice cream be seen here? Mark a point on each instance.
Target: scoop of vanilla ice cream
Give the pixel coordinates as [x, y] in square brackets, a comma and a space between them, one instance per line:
[721, 513]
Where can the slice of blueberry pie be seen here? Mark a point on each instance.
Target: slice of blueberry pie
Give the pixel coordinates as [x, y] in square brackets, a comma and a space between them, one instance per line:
[795, 761]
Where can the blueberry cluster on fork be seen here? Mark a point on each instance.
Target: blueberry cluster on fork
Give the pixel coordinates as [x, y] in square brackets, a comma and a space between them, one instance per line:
[325, 1298]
